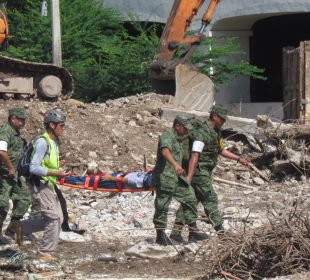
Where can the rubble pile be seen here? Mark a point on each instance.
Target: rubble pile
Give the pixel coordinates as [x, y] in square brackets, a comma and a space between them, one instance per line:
[280, 248]
[283, 148]
[119, 237]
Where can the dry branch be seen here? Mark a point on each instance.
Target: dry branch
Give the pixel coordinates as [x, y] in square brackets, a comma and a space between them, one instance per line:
[280, 248]
[217, 179]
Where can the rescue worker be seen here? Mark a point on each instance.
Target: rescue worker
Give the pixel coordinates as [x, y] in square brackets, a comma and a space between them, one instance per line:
[44, 169]
[207, 144]
[166, 179]
[11, 187]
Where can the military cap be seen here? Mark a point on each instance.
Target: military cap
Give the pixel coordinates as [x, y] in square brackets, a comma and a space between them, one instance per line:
[219, 110]
[18, 112]
[185, 120]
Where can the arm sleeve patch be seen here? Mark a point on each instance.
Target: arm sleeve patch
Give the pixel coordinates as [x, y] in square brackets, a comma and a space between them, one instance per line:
[222, 145]
[198, 146]
[3, 146]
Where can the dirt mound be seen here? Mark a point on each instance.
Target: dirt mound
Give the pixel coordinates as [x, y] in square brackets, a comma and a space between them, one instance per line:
[115, 134]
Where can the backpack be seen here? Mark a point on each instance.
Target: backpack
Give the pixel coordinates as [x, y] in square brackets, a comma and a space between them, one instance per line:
[23, 166]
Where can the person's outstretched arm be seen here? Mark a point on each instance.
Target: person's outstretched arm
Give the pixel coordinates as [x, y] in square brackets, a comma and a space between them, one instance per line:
[228, 154]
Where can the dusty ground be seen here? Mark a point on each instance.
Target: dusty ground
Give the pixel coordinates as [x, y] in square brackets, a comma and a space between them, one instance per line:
[116, 136]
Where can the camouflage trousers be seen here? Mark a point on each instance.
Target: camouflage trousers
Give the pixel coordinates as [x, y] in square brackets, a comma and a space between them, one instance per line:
[205, 194]
[183, 194]
[17, 191]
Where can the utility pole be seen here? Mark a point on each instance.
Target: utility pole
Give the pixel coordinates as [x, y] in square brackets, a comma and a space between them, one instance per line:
[57, 57]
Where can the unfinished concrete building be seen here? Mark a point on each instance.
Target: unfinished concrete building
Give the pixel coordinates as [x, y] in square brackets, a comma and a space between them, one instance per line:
[263, 29]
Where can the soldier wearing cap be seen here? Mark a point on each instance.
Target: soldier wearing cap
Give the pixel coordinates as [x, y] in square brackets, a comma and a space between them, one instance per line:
[11, 187]
[166, 178]
[206, 145]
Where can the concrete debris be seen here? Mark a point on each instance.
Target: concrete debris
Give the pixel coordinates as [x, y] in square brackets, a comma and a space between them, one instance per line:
[192, 247]
[231, 210]
[46, 275]
[254, 143]
[106, 258]
[258, 181]
[73, 237]
[148, 251]
[119, 237]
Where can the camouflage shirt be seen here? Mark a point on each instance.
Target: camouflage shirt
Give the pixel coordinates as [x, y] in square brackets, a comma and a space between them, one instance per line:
[15, 145]
[164, 170]
[213, 146]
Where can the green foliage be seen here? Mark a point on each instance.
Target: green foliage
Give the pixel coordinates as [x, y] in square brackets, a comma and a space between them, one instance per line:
[106, 62]
[122, 65]
[217, 64]
[31, 32]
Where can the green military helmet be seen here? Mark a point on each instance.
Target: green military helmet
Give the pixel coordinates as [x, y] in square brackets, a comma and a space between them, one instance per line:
[220, 111]
[55, 116]
[18, 112]
[186, 120]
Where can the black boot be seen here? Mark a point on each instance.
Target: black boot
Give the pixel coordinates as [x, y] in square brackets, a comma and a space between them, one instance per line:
[65, 226]
[177, 238]
[162, 238]
[195, 235]
[176, 234]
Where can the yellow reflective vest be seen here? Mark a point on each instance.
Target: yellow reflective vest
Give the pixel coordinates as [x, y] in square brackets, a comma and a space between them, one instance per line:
[52, 161]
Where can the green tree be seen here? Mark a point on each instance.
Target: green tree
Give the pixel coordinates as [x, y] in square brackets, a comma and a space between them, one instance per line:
[106, 62]
[218, 62]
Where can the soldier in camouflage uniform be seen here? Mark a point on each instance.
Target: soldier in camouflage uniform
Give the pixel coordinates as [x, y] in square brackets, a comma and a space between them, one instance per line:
[206, 144]
[11, 187]
[166, 179]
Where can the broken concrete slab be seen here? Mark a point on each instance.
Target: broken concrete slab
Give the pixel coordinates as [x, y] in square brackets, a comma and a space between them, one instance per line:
[72, 237]
[151, 251]
[242, 125]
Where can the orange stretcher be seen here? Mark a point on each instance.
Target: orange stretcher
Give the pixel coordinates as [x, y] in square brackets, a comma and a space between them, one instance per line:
[95, 186]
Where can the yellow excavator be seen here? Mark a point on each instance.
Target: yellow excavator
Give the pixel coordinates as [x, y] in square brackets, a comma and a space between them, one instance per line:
[23, 79]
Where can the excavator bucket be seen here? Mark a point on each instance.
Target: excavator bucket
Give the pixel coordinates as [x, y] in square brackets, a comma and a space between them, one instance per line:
[194, 90]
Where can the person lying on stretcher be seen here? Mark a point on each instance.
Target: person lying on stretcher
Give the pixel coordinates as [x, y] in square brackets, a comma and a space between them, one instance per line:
[110, 181]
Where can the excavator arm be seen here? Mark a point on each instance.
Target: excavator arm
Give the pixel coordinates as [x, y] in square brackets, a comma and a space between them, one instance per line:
[4, 28]
[182, 14]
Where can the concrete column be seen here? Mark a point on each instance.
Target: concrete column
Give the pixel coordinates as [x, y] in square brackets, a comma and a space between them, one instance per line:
[57, 57]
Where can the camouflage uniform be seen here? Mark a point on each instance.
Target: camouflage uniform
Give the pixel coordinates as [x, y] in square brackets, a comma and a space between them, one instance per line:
[202, 179]
[12, 187]
[168, 185]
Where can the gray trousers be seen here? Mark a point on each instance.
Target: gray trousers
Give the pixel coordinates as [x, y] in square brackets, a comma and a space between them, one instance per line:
[51, 220]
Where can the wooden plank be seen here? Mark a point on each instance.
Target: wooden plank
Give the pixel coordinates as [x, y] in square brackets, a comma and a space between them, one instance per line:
[297, 92]
[293, 86]
[302, 80]
[307, 81]
[287, 61]
[284, 81]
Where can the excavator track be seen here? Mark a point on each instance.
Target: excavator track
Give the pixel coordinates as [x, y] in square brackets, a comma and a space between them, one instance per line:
[48, 81]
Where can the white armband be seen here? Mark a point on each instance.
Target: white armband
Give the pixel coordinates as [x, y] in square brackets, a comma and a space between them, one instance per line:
[198, 146]
[3, 146]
